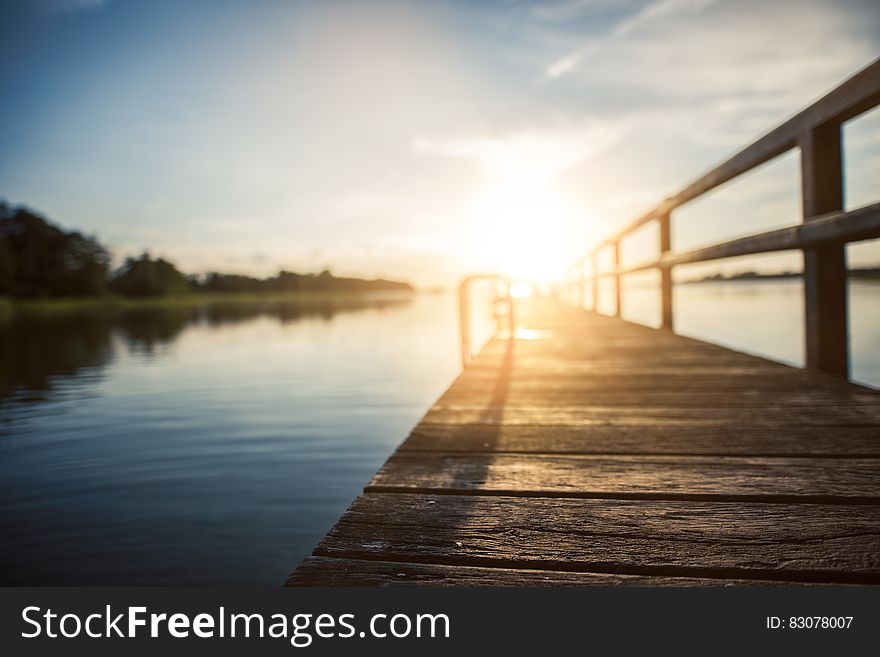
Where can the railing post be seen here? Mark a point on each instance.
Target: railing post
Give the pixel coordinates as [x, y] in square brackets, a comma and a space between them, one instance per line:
[511, 316]
[464, 324]
[595, 265]
[665, 273]
[615, 250]
[582, 284]
[824, 267]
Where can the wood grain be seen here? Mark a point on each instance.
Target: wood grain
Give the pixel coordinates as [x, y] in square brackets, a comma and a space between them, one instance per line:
[658, 395]
[765, 415]
[689, 440]
[638, 477]
[790, 542]
[321, 571]
[593, 451]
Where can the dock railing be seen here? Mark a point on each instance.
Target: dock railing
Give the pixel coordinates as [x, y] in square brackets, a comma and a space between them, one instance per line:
[822, 236]
[502, 307]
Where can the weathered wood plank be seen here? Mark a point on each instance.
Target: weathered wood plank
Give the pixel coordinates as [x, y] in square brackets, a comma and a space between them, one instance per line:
[558, 349]
[629, 383]
[323, 571]
[788, 399]
[730, 440]
[711, 378]
[630, 366]
[797, 542]
[768, 415]
[633, 368]
[836, 481]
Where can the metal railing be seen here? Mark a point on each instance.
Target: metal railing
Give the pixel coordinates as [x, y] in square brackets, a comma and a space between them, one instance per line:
[826, 227]
[499, 302]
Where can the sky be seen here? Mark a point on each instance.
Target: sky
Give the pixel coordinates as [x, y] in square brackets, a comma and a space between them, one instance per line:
[415, 140]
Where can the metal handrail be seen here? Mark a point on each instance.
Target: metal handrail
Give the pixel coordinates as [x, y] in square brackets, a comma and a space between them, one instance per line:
[825, 230]
[464, 312]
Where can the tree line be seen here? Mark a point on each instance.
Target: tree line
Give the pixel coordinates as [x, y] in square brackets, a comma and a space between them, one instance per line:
[40, 259]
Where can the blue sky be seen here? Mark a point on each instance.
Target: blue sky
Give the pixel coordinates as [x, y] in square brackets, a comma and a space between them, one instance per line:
[414, 140]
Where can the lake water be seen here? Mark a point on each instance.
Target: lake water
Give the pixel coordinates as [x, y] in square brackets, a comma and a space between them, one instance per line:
[763, 318]
[203, 445]
[209, 445]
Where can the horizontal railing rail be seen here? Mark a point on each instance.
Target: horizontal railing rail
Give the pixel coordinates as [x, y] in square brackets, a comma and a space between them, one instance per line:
[826, 227]
[841, 227]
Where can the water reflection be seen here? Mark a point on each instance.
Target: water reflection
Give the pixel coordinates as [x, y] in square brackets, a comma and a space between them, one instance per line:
[764, 318]
[38, 347]
[214, 444]
[35, 350]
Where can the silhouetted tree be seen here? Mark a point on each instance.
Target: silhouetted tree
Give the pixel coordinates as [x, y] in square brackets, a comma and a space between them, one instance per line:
[39, 259]
[145, 277]
[43, 260]
[286, 281]
[7, 266]
[216, 282]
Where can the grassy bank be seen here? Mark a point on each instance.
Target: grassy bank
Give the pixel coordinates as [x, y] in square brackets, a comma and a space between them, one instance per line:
[10, 306]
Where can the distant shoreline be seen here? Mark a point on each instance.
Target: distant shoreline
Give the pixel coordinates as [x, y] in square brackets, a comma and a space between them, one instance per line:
[10, 305]
[862, 273]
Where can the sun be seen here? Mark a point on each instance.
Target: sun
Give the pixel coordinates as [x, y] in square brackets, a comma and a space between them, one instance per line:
[521, 223]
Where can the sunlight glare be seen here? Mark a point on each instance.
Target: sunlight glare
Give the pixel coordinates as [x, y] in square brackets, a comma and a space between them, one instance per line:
[520, 290]
[522, 222]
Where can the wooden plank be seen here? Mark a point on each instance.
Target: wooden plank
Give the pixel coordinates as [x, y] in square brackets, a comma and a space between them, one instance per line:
[629, 382]
[322, 571]
[610, 356]
[657, 415]
[792, 398]
[556, 350]
[553, 342]
[790, 542]
[625, 367]
[729, 440]
[615, 360]
[816, 480]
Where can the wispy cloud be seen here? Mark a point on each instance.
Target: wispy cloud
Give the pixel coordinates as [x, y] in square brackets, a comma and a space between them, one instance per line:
[650, 94]
[546, 153]
[656, 10]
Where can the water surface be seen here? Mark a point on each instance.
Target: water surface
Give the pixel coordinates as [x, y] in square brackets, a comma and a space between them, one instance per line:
[217, 444]
[203, 445]
[764, 318]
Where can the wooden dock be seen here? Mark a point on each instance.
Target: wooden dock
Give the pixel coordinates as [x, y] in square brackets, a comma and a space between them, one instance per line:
[590, 450]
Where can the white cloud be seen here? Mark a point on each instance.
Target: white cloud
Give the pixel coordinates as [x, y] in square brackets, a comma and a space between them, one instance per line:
[659, 9]
[546, 153]
[312, 147]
